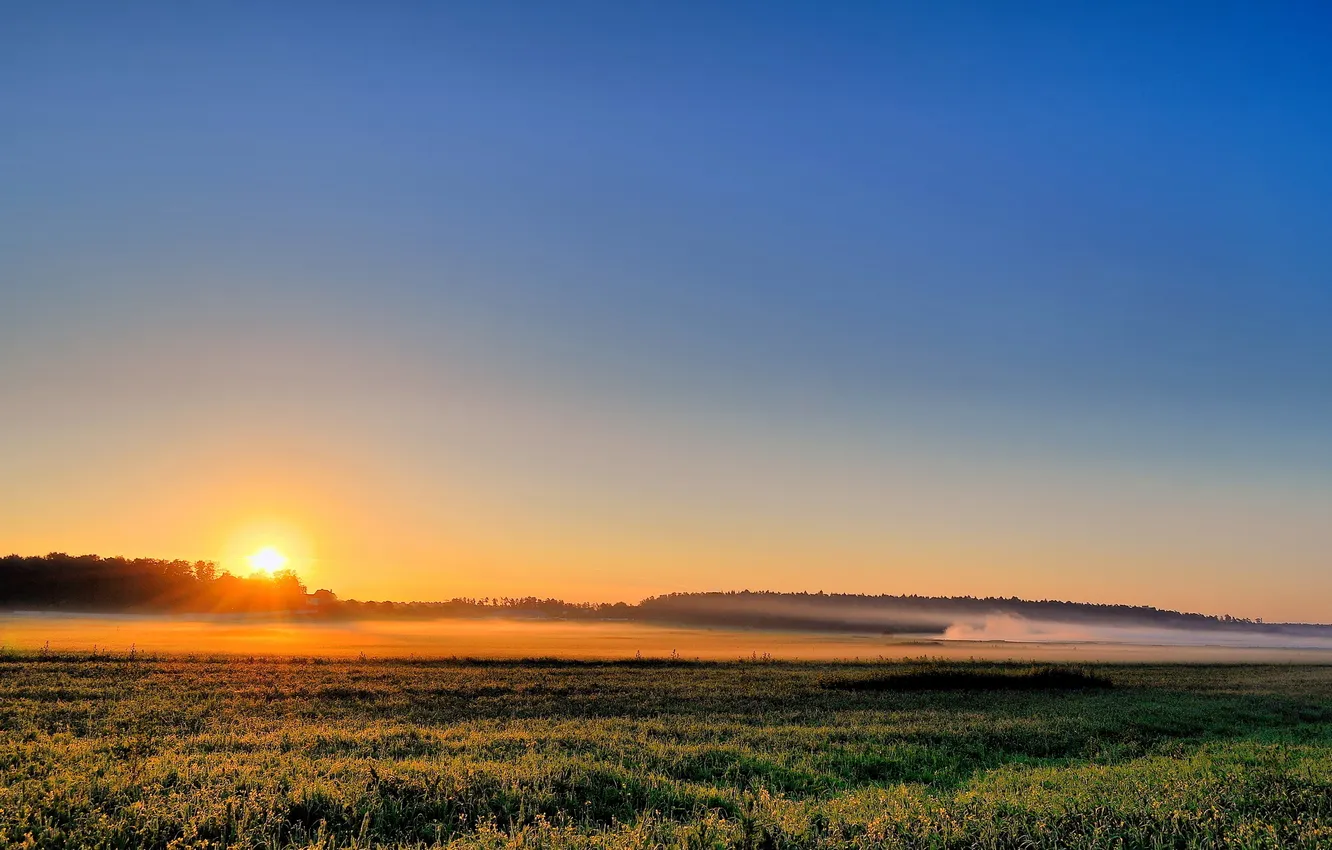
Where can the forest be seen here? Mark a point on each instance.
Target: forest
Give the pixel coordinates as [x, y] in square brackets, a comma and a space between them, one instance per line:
[92, 583]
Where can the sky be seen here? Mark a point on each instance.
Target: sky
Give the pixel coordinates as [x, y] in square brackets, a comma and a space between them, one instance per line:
[603, 300]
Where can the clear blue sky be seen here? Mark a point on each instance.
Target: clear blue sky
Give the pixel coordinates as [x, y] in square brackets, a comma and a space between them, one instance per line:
[628, 297]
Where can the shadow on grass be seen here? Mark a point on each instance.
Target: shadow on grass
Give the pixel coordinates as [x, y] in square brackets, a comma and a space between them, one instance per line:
[1039, 679]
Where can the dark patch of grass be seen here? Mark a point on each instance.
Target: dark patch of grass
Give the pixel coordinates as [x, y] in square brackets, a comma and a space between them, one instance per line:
[1038, 679]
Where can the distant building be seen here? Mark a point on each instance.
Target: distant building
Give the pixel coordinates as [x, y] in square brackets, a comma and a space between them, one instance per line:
[320, 600]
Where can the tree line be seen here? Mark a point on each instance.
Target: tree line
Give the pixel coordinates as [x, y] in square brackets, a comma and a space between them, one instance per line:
[908, 613]
[91, 583]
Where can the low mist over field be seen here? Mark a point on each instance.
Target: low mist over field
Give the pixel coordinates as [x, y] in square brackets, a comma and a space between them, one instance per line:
[502, 637]
[1008, 628]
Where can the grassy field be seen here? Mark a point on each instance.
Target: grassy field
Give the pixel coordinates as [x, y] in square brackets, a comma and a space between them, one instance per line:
[163, 752]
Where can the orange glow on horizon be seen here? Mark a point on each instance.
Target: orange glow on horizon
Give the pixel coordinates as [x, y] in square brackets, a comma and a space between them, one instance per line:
[268, 560]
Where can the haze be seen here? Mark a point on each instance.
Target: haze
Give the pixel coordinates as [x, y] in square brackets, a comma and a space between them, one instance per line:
[598, 301]
[127, 637]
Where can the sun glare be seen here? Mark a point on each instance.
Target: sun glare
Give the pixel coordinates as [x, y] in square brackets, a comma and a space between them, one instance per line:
[268, 560]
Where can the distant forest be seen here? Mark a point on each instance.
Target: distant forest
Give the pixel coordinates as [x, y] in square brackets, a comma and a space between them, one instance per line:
[89, 583]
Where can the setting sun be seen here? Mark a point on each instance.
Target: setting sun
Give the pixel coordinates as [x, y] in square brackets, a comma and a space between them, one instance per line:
[268, 560]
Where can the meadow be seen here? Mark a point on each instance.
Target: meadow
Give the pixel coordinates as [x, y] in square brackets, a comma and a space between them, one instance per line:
[128, 750]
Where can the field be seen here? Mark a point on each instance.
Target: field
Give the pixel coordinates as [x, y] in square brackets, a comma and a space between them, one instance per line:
[135, 751]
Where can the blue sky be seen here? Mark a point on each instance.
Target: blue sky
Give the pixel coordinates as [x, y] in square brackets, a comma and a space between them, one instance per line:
[1075, 242]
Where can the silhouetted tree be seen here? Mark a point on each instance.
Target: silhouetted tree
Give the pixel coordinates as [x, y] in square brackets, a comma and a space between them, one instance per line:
[92, 583]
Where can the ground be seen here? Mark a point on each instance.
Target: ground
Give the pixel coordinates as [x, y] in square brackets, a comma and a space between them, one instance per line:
[134, 751]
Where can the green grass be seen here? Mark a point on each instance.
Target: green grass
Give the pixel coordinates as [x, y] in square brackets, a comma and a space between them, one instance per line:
[163, 752]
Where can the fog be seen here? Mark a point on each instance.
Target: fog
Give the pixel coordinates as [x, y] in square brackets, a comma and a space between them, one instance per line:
[994, 638]
[1017, 629]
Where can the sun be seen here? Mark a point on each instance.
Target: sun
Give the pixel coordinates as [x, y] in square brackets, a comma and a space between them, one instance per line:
[268, 560]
